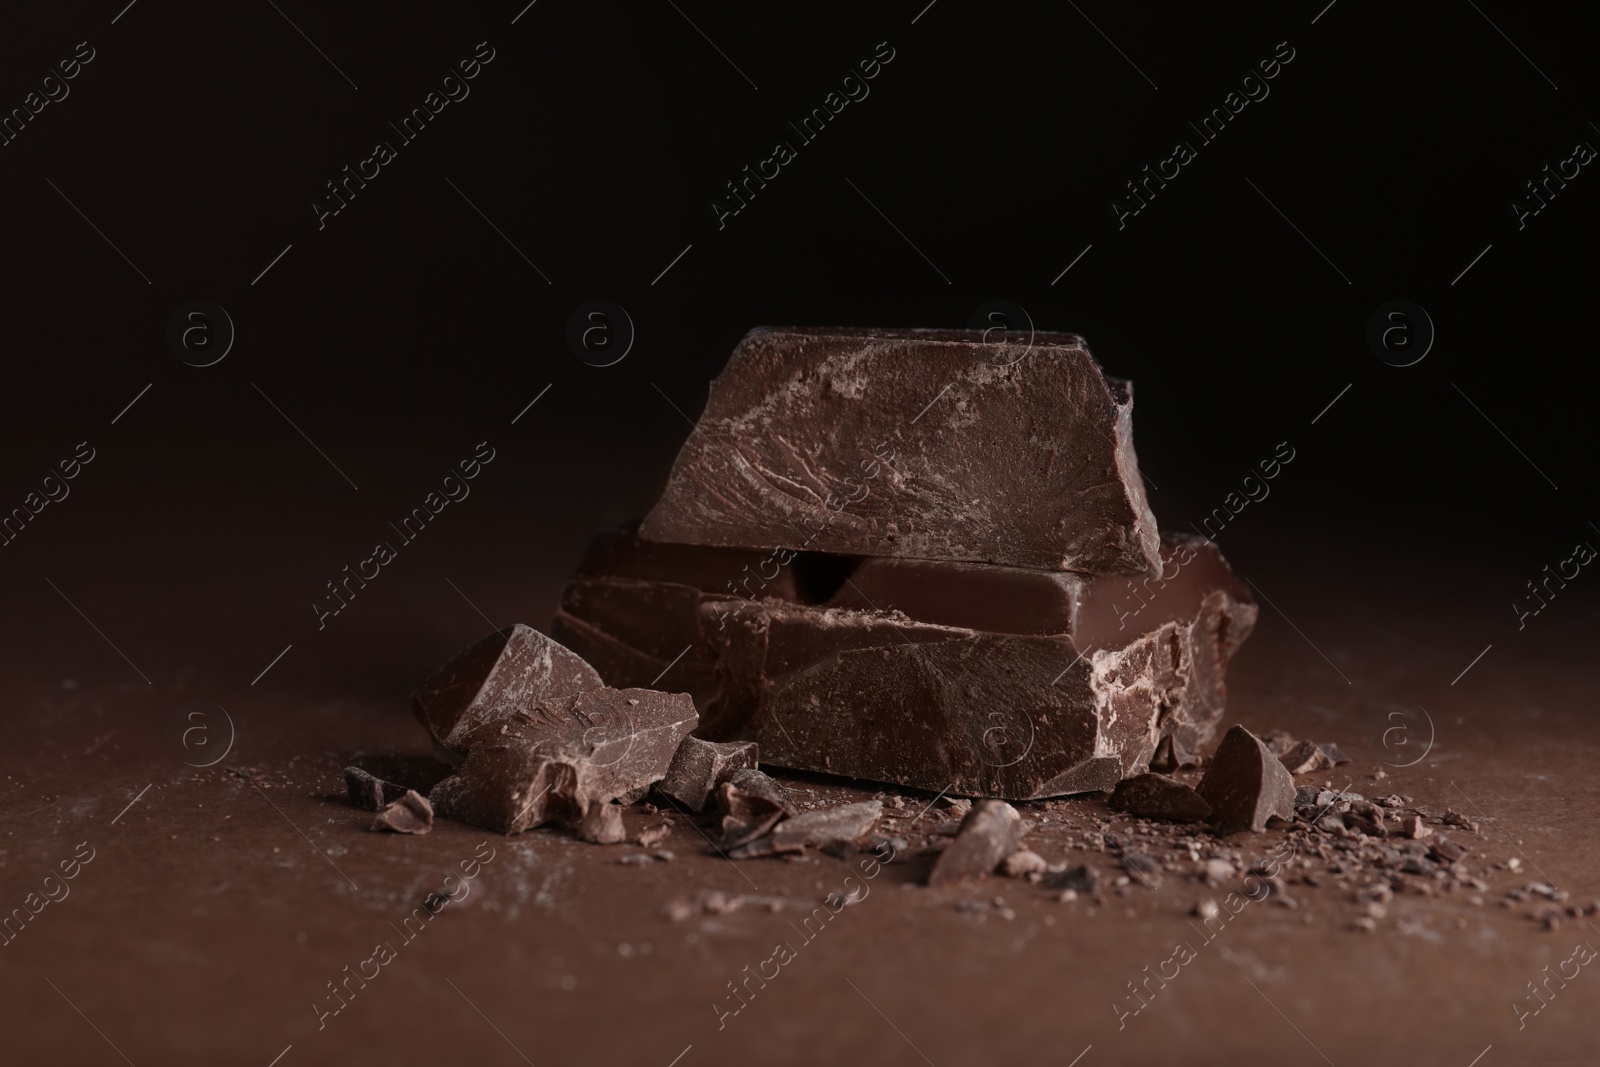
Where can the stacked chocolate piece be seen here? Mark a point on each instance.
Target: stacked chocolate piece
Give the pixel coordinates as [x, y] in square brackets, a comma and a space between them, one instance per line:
[914, 557]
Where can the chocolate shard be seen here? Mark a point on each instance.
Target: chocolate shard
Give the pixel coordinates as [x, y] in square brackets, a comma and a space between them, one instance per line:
[991, 831]
[840, 822]
[510, 670]
[1009, 683]
[554, 762]
[847, 435]
[700, 766]
[1334, 754]
[1155, 796]
[1246, 785]
[1304, 758]
[369, 792]
[410, 813]
[1171, 755]
[751, 804]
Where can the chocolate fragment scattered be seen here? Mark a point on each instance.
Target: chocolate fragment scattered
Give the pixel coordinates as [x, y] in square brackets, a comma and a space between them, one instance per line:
[510, 670]
[700, 766]
[990, 832]
[751, 804]
[368, 792]
[651, 836]
[841, 433]
[1245, 784]
[1455, 818]
[1336, 756]
[557, 760]
[1304, 758]
[843, 822]
[1155, 796]
[409, 814]
[1447, 851]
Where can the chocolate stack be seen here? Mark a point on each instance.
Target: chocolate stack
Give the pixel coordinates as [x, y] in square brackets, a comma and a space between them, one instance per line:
[914, 557]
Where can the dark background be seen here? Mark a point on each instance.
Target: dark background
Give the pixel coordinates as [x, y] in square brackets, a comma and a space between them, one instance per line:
[408, 330]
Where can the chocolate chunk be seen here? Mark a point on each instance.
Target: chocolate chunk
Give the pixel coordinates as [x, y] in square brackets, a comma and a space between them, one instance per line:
[651, 836]
[1335, 755]
[409, 814]
[555, 761]
[1455, 818]
[751, 804]
[368, 792]
[847, 435]
[1446, 851]
[1245, 784]
[1155, 796]
[510, 670]
[991, 831]
[700, 766]
[1304, 758]
[849, 689]
[602, 823]
[842, 822]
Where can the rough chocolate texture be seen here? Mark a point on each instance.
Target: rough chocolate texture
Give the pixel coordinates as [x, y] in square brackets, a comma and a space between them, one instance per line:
[991, 831]
[751, 804]
[841, 822]
[369, 792]
[914, 443]
[557, 760]
[410, 813]
[984, 692]
[1155, 796]
[510, 670]
[1246, 785]
[699, 766]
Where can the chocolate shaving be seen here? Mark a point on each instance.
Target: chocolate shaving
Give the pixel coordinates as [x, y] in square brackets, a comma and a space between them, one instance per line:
[410, 814]
[368, 792]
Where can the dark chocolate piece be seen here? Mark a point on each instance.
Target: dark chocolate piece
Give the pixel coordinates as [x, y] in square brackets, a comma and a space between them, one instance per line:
[700, 766]
[751, 804]
[1246, 785]
[515, 669]
[1155, 796]
[1304, 758]
[991, 831]
[841, 822]
[1171, 755]
[843, 439]
[852, 690]
[410, 813]
[369, 792]
[555, 761]
[1446, 851]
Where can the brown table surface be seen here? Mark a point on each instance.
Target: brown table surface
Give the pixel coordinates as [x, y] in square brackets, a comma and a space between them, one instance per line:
[221, 902]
